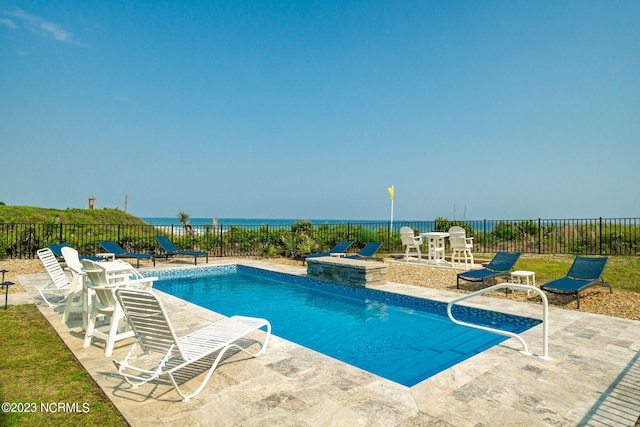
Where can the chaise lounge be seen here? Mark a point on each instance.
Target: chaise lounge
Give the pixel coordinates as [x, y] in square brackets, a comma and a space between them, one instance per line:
[339, 248]
[500, 265]
[115, 249]
[171, 250]
[584, 272]
[58, 290]
[368, 251]
[56, 248]
[158, 351]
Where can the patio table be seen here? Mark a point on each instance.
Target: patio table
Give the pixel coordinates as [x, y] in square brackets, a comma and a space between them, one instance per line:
[435, 245]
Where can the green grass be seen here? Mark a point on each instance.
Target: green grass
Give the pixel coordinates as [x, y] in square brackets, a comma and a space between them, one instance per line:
[36, 368]
[623, 272]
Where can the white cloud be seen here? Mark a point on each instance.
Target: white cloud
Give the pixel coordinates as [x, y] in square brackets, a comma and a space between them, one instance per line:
[8, 22]
[38, 25]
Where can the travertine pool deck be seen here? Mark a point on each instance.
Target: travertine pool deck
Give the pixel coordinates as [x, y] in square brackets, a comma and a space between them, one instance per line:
[593, 378]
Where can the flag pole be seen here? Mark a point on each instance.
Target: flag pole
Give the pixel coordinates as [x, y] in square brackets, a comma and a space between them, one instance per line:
[391, 196]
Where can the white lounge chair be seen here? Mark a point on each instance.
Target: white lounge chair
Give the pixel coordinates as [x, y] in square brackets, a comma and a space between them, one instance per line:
[461, 246]
[158, 351]
[56, 292]
[410, 242]
[105, 278]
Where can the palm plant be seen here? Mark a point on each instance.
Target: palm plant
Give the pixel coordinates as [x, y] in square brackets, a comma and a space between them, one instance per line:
[290, 242]
[183, 217]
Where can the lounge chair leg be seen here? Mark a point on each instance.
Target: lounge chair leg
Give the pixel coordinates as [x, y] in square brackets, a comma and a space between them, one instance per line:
[185, 397]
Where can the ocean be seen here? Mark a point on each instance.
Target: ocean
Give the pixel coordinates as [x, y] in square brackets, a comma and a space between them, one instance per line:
[244, 222]
[426, 225]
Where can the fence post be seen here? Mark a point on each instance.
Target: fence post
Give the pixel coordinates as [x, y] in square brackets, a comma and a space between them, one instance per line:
[600, 238]
[484, 226]
[539, 236]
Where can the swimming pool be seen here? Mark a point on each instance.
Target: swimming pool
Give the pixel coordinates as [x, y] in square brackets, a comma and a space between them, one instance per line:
[402, 338]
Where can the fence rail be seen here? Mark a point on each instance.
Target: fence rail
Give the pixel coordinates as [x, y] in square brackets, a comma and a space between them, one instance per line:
[595, 236]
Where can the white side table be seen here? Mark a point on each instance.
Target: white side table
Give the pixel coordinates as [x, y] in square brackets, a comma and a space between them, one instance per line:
[518, 275]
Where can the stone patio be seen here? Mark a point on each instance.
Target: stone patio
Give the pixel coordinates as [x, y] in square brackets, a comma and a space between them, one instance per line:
[593, 378]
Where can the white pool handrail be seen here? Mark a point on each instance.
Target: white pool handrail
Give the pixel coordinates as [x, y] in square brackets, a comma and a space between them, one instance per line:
[545, 316]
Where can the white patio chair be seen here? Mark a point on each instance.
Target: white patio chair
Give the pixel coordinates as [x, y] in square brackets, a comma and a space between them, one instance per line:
[411, 242]
[117, 273]
[74, 302]
[158, 351]
[55, 293]
[461, 246]
[104, 282]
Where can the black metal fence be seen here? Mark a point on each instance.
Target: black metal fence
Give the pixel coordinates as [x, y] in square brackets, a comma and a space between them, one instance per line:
[596, 236]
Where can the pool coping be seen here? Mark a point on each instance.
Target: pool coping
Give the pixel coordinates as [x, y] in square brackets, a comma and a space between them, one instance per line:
[594, 366]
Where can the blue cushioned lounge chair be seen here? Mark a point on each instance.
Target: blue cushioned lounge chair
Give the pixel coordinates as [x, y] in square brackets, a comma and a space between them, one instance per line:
[56, 248]
[368, 251]
[115, 249]
[500, 265]
[340, 248]
[584, 272]
[171, 250]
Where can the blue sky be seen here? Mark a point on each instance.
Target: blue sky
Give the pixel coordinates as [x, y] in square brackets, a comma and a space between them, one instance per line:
[311, 109]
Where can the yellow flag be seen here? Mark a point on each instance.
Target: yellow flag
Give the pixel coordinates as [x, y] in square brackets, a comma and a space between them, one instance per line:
[390, 192]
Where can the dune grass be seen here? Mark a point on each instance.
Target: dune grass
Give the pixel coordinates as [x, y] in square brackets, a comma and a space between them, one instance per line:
[41, 378]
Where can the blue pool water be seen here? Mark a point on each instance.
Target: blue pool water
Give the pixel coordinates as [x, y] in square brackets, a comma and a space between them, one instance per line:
[401, 338]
